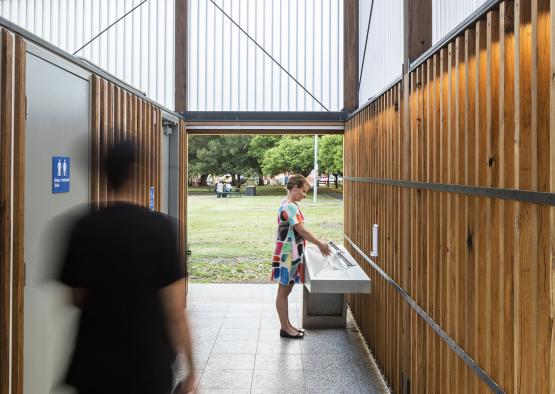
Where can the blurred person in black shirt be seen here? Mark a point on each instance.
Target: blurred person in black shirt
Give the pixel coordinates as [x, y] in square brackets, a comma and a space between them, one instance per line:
[122, 263]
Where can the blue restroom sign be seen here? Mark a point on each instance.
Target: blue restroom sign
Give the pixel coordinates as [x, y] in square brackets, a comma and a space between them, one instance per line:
[60, 174]
[151, 199]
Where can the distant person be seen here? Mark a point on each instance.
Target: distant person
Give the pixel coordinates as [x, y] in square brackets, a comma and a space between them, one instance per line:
[288, 259]
[122, 263]
[219, 189]
[227, 188]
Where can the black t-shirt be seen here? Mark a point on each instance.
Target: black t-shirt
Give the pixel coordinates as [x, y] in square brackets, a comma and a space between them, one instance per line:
[122, 256]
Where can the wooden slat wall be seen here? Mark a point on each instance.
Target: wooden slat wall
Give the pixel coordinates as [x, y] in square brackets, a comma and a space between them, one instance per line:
[183, 200]
[481, 113]
[118, 114]
[12, 170]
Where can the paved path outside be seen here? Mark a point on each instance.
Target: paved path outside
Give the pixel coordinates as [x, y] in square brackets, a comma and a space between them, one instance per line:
[238, 349]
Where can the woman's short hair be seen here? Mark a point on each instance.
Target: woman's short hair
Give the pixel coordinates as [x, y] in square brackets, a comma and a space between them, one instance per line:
[296, 180]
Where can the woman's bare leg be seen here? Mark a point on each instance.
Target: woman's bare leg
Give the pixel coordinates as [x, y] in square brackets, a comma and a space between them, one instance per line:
[282, 306]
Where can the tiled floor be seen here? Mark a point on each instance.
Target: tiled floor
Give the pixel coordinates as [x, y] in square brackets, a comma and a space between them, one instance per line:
[238, 349]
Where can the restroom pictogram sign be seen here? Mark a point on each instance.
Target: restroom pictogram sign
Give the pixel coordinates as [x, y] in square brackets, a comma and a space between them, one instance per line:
[60, 174]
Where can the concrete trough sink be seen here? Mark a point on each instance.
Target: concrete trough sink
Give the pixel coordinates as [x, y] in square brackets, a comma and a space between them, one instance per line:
[333, 274]
[327, 280]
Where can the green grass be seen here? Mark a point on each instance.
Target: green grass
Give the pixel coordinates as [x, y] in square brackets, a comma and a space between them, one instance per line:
[232, 239]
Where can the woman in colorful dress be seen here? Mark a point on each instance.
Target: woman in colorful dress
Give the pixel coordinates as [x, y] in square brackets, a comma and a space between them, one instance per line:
[288, 259]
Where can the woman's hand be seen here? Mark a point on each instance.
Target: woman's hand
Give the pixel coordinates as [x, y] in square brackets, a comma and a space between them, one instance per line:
[324, 248]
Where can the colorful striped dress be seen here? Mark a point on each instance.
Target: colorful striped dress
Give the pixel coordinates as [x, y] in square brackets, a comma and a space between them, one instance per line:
[288, 261]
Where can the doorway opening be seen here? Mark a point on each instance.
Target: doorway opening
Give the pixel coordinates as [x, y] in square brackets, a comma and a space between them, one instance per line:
[231, 227]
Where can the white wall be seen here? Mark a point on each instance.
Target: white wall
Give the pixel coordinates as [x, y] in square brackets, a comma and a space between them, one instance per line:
[384, 53]
[139, 49]
[447, 14]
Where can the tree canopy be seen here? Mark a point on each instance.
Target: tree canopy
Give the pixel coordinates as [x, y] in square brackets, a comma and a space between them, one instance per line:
[263, 155]
[330, 154]
[294, 154]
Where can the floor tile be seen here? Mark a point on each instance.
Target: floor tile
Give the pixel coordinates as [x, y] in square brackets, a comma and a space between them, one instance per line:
[197, 315]
[278, 379]
[278, 361]
[203, 345]
[207, 322]
[239, 334]
[321, 346]
[268, 334]
[282, 345]
[273, 322]
[223, 391]
[209, 307]
[226, 379]
[225, 346]
[277, 391]
[336, 381]
[336, 362]
[238, 322]
[230, 361]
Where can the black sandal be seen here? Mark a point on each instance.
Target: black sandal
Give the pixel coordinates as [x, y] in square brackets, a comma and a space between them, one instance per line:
[285, 334]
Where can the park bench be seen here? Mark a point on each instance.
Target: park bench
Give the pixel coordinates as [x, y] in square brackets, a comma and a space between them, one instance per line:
[234, 193]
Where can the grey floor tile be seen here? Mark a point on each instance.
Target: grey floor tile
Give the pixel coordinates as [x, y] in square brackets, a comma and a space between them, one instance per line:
[277, 391]
[207, 322]
[210, 307]
[270, 322]
[336, 362]
[322, 346]
[203, 345]
[273, 322]
[268, 334]
[278, 361]
[282, 345]
[204, 333]
[239, 322]
[336, 381]
[226, 379]
[245, 308]
[336, 390]
[200, 360]
[226, 346]
[239, 334]
[230, 361]
[369, 377]
[223, 391]
[278, 379]
[198, 315]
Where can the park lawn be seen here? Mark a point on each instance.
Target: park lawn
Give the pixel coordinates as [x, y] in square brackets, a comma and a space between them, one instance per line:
[232, 239]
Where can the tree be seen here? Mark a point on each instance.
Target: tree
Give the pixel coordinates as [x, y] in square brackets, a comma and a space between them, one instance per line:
[294, 154]
[259, 145]
[195, 166]
[221, 155]
[330, 155]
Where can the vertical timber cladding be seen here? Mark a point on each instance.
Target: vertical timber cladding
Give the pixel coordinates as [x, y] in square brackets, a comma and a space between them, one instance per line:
[118, 114]
[480, 113]
[12, 143]
[183, 177]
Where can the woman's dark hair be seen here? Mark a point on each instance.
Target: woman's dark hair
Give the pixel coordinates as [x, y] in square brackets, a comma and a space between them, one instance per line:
[120, 158]
[296, 180]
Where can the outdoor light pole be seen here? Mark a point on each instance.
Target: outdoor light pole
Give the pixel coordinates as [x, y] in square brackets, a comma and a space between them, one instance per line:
[315, 167]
